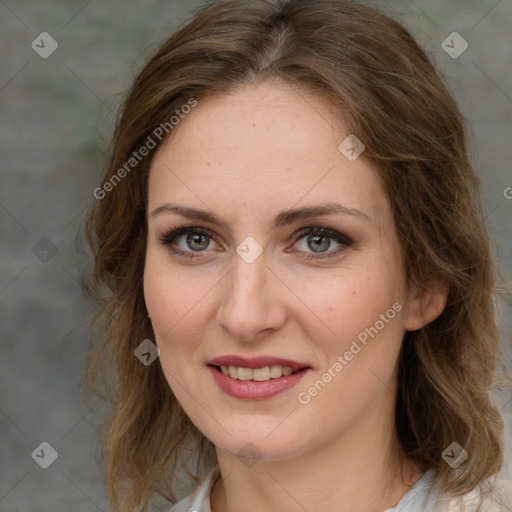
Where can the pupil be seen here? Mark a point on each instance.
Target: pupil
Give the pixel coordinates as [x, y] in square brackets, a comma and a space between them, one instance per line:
[192, 239]
[317, 242]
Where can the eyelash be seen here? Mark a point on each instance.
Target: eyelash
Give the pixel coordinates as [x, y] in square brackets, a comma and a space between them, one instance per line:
[168, 239]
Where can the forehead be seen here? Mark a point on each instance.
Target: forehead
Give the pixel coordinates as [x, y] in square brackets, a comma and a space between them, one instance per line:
[261, 149]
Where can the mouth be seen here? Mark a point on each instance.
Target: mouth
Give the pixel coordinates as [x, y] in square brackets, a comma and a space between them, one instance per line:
[256, 379]
[261, 374]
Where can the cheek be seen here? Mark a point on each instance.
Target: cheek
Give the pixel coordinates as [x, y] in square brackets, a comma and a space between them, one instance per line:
[177, 307]
[361, 313]
[352, 300]
[178, 316]
[364, 315]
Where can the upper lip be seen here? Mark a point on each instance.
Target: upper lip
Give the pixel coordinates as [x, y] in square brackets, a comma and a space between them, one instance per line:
[256, 362]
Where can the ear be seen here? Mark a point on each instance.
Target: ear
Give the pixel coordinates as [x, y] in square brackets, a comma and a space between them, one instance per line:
[425, 306]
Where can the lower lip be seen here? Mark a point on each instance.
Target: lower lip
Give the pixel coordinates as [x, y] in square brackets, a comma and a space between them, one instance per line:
[254, 390]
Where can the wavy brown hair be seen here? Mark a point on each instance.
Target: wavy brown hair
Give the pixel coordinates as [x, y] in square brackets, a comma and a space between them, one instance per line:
[388, 93]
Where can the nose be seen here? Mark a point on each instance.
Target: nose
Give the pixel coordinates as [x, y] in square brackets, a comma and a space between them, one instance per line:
[251, 305]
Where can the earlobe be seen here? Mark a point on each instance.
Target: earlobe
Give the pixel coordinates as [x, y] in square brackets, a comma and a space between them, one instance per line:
[425, 306]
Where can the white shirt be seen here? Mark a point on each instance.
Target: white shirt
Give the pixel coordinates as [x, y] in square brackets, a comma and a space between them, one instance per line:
[421, 497]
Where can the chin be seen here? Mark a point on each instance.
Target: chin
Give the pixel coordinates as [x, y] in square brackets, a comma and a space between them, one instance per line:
[267, 441]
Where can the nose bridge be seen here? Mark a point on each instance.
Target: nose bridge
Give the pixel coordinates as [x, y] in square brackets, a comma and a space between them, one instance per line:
[248, 303]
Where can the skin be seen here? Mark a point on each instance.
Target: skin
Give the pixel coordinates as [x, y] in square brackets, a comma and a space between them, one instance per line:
[246, 156]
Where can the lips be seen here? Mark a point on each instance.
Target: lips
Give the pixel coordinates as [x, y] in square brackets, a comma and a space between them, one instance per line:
[255, 388]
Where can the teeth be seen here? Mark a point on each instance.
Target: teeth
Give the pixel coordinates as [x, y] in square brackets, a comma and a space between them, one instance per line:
[276, 371]
[261, 374]
[244, 374]
[257, 374]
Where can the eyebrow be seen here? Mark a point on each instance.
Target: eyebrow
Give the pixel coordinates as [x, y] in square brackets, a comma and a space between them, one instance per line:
[281, 219]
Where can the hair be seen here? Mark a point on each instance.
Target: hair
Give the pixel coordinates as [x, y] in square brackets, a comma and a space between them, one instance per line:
[388, 93]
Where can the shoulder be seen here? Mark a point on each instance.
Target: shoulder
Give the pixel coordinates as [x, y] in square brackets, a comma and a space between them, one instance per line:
[199, 499]
[493, 495]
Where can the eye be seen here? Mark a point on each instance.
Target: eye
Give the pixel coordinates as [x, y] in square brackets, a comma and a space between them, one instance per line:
[195, 240]
[319, 240]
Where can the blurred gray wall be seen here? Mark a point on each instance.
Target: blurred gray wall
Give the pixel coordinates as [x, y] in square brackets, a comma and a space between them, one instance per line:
[56, 116]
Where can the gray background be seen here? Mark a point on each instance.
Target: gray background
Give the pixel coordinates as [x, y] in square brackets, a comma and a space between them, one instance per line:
[56, 118]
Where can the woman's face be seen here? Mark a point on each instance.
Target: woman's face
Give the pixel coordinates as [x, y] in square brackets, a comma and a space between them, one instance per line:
[258, 283]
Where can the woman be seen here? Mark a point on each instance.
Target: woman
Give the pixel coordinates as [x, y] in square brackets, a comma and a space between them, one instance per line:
[294, 273]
